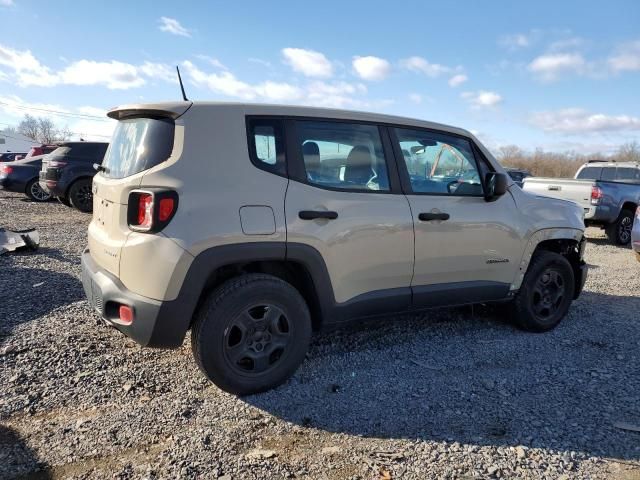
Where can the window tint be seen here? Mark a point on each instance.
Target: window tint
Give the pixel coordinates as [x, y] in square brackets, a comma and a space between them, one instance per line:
[608, 173]
[628, 175]
[439, 163]
[590, 173]
[343, 155]
[266, 145]
[137, 145]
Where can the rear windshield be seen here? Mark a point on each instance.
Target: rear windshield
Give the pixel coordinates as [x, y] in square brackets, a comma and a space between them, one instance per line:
[137, 145]
[590, 173]
[88, 152]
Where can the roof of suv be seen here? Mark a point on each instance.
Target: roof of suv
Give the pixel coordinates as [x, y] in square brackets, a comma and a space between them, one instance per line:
[176, 109]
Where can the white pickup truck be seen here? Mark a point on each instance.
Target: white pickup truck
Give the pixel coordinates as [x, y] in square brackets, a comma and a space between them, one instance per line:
[609, 193]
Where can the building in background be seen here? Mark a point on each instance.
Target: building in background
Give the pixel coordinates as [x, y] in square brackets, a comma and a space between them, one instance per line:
[11, 141]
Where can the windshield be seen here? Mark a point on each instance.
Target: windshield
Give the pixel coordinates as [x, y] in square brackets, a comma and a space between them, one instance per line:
[137, 145]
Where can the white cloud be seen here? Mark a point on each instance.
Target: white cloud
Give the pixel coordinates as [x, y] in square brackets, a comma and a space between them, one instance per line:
[457, 80]
[259, 61]
[114, 75]
[626, 58]
[212, 61]
[551, 65]
[6, 3]
[422, 65]
[159, 71]
[337, 94]
[515, 41]
[308, 62]
[173, 26]
[571, 121]
[27, 67]
[371, 68]
[482, 98]
[415, 98]
[227, 84]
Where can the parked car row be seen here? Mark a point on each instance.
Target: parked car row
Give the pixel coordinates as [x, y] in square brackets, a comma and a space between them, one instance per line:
[63, 171]
[608, 192]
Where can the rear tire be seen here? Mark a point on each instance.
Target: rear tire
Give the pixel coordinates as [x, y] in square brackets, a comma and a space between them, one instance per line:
[64, 201]
[35, 192]
[81, 196]
[251, 334]
[546, 293]
[619, 232]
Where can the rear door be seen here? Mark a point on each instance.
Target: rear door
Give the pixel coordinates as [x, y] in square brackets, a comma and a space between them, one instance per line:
[344, 201]
[466, 249]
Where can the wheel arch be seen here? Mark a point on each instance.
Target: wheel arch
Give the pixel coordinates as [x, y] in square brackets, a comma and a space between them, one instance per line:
[567, 242]
[304, 269]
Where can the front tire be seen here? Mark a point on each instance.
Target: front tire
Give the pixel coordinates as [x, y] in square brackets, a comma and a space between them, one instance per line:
[546, 293]
[251, 334]
[81, 196]
[619, 232]
[35, 192]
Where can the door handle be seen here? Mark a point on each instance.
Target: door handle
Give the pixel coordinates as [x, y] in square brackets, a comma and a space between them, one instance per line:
[426, 217]
[313, 214]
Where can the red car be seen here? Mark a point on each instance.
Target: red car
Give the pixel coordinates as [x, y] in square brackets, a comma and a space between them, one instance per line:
[40, 150]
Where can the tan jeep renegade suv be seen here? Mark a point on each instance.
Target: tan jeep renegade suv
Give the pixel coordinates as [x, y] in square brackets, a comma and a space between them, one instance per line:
[254, 225]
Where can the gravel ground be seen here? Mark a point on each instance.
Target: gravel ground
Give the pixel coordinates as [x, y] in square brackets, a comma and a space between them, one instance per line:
[449, 394]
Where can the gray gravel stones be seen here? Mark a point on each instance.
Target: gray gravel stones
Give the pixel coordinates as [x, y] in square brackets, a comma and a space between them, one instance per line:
[448, 394]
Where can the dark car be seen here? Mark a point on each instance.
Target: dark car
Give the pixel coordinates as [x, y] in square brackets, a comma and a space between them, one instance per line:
[68, 171]
[11, 156]
[22, 176]
[518, 175]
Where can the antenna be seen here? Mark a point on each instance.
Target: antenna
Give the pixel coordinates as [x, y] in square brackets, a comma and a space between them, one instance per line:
[184, 95]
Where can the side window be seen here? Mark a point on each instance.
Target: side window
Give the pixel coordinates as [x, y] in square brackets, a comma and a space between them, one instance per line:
[266, 145]
[608, 174]
[590, 173]
[438, 163]
[628, 175]
[341, 155]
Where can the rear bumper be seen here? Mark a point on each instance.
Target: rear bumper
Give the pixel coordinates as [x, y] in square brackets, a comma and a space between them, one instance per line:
[156, 323]
[51, 184]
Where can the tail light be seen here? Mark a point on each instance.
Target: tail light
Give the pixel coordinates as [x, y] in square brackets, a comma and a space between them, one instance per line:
[596, 195]
[5, 169]
[151, 210]
[56, 164]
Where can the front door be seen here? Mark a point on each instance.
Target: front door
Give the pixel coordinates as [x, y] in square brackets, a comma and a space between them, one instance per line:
[466, 249]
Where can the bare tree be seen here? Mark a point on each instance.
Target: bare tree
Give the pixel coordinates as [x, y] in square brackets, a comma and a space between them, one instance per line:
[629, 152]
[29, 127]
[43, 130]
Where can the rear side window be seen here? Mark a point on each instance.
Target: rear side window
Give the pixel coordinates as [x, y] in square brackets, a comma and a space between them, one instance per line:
[137, 145]
[344, 156]
[608, 174]
[628, 175]
[88, 152]
[266, 144]
[590, 173]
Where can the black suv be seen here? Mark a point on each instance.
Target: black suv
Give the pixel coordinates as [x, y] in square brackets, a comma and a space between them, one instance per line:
[67, 172]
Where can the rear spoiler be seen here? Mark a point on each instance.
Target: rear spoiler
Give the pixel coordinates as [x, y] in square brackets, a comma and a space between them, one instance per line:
[172, 110]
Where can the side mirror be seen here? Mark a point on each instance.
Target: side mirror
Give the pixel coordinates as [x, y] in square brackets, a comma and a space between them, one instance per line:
[495, 185]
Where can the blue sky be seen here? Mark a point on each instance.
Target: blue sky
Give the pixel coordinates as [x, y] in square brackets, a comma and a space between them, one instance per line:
[558, 75]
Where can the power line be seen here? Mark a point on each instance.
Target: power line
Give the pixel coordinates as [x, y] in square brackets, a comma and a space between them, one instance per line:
[57, 112]
[79, 134]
